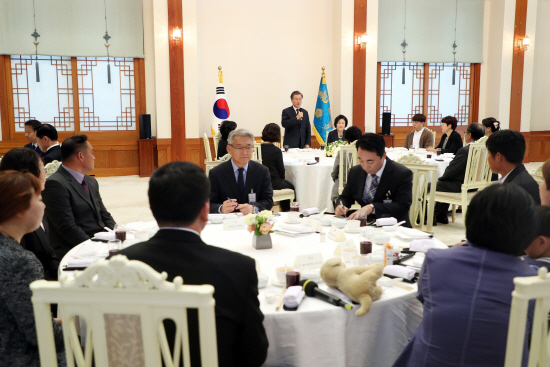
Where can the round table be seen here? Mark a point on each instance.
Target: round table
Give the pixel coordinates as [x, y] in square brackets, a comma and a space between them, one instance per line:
[318, 333]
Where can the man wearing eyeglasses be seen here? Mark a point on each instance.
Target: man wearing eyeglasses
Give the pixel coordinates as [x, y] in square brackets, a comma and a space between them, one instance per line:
[240, 184]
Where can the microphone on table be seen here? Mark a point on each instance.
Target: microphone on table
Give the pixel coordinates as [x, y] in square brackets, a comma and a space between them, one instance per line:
[312, 290]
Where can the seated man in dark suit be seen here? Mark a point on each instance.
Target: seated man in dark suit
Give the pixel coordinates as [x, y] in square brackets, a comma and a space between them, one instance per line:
[46, 137]
[506, 150]
[381, 186]
[30, 135]
[295, 120]
[74, 207]
[178, 196]
[453, 177]
[240, 184]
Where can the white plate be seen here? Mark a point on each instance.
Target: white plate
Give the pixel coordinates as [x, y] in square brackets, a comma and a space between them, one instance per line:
[349, 231]
[276, 283]
[289, 222]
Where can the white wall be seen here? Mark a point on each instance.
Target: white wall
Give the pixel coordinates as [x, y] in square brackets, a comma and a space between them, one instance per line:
[267, 50]
[540, 106]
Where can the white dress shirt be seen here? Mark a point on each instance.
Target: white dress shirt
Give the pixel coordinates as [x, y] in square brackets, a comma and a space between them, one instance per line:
[416, 138]
[502, 179]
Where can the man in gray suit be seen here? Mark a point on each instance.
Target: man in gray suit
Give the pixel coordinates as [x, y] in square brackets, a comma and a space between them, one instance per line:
[74, 208]
[506, 150]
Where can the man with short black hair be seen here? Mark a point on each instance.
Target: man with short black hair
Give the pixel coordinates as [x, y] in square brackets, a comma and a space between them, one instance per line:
[178, 196]
[46, 137]
[420, 137]
[240, 184]
[453, 177]
[381, 186]
[295, 120]
[74, 207]
[506, 151]
[30, 135]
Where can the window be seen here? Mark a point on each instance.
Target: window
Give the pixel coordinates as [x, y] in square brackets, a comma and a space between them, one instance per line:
[428, 90]
[101, 106]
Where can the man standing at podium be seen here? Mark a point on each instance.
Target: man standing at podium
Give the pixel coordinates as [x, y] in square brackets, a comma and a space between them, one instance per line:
[295, 120]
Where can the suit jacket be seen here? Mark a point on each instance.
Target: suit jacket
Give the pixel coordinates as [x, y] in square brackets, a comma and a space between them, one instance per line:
[53, 154]
[73, 215]
[456, 170]
[522, 178]
[465, 324]
[223, 185]
[395, 184]
[453, 145]
[333, 136]
[38, 243]
[297, 133]
[426, 139]
[242, 340]
[272, 158]
[37, 149]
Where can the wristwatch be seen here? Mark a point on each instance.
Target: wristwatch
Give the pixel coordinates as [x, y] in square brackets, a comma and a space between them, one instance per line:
[372, 206]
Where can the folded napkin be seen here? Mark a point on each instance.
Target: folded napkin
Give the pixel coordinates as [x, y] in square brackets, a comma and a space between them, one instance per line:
[105, 236]
[311, 162]
[294, 228]
[79, 263]
[413, 233]
[90, 248]
[399, 271]
[310, 211]
[293, 296]
[422, 245]
[386, 221]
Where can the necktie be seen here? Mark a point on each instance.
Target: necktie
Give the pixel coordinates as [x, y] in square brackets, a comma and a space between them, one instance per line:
[240, 181]
[368, 195]
[85, 186]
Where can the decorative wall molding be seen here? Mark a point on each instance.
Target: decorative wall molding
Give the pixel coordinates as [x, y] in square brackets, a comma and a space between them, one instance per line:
[517, 66]
[359, 64]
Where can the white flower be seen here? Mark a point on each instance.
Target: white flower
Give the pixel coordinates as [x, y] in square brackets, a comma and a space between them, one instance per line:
[250, 219]
[267, 214]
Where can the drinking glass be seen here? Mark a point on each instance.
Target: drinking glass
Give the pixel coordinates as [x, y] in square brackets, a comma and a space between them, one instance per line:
[286, 148]
[322, 146]
[292, 276]
[294, 206]
[114, 246]
[438, 151]
[366, 247]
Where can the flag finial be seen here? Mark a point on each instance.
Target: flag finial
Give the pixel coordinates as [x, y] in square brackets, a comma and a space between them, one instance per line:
[324, 81]
[220, 74]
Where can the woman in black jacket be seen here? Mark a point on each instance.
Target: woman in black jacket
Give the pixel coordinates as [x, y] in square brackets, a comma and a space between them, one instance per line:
[37, 242]
[272, 158]
[451, 141]
[339, 132]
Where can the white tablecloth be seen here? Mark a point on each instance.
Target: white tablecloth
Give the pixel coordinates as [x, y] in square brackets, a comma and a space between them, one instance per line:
[320, 334]
[444, 160]
[313, 183]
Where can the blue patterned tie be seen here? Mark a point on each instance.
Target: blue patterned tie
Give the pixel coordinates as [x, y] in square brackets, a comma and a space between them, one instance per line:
[368, 195]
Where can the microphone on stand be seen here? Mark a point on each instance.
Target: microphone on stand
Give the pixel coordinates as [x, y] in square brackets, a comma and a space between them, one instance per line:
[312, 290]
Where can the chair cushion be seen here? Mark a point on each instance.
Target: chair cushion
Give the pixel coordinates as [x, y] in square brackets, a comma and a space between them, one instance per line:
[283, 194]
[455, 196]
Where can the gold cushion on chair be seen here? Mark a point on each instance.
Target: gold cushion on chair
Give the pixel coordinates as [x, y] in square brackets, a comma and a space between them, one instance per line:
[455, 196]
[284, 194]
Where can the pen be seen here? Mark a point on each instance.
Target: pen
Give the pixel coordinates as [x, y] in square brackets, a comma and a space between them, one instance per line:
[228, 198]
[342, 207]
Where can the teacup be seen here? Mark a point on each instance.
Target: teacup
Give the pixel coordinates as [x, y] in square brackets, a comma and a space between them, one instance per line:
[215, 218]
[348, 253]
[142, 235]
[353, 225]
[360, 260]
[338, 222]
[293, 217]
[280, 272]
[325, 221]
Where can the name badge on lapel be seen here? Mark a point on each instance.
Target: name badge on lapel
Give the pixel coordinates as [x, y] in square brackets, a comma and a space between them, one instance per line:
[251, 197]
[387, 200]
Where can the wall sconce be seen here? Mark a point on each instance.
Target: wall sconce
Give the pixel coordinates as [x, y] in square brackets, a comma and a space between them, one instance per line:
[523, 43]
[362, 41]
[176, 34]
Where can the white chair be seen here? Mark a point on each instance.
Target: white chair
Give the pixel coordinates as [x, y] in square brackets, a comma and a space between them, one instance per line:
[283, 194]
[216, 138]
[537, 175]
[207, 149]
[464, 142]
[257, 153]
[423, 202]
[52, 168]
[211, 164]
[478, 176]
[434, 133]
[348, 159]
[528, 288]
[123, 304]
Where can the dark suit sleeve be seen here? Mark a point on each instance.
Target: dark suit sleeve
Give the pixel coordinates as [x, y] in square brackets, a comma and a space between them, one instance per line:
[456, 168]
[308, 129]
[106, 217]
[252, 340]
[401, 199]
[265, 199]
[287, 120]
[60, 213]
[215, 192]
[454, 144]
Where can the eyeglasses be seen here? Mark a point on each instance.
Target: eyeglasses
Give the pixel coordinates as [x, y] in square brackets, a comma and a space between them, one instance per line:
[240, 149]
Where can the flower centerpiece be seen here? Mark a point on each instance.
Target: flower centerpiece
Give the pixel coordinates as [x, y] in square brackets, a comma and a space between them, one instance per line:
[334, 147]
[261, 227]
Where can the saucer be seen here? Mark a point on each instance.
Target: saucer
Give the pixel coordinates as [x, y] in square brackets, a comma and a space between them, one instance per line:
[289, 222]
[350, 231]
[276, 283]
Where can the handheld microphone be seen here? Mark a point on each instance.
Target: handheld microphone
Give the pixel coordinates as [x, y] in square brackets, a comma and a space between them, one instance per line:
[312, 290]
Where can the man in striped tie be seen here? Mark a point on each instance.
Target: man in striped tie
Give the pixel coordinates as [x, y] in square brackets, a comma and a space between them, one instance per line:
[381, 186]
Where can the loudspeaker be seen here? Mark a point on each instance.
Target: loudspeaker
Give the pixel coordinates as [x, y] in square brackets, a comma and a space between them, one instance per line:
[145, 126]
[386, 123]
